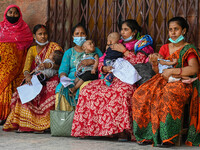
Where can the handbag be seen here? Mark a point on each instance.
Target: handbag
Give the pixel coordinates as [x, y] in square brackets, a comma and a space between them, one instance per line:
[145, 71]
[61, 121]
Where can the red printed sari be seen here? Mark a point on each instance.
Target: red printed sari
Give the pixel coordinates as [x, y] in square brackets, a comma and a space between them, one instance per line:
[105, 110]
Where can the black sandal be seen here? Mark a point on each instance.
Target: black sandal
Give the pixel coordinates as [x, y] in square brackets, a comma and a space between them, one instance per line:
[146, 142]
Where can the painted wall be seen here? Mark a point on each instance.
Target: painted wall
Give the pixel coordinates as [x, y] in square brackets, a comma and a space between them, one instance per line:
[33, 11]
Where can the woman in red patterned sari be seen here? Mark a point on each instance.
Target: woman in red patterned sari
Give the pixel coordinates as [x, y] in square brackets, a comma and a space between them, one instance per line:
[158, 105]
[106, 110]
[35, 115]
[15, 39]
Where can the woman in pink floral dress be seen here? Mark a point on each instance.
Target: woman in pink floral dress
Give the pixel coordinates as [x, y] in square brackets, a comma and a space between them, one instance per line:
[106, 110]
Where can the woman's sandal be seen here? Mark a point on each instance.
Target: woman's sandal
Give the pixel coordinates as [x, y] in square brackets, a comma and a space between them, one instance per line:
[2, 122]
[39, 132]
[122, 137]
[166, 145]
[19, 131]
[146, 142]
[81, 137]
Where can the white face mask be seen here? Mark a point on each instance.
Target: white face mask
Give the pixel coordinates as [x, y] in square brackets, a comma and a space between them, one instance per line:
[41, 44]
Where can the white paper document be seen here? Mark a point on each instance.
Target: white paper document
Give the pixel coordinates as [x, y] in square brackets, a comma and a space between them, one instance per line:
[125, 71]
[29, 92]
[65, 81]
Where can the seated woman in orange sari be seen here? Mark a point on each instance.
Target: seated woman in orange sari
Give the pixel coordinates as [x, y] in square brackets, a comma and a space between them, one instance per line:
[35, 115]
[158, 105]
[15, 38]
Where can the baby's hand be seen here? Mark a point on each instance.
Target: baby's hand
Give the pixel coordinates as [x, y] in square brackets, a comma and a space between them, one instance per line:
[153, 59]
[188, 80]
[93, 71]
[108, 68]
[174, 61]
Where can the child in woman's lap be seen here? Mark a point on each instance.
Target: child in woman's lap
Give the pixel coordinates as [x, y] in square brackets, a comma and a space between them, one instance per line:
[85, 73]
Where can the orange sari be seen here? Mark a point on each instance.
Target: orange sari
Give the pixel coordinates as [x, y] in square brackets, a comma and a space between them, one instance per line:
[11, 66]
[157, 105]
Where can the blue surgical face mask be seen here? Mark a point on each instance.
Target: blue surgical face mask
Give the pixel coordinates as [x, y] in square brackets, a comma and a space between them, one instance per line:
[128, 39]
[180, 38]
[79, 40]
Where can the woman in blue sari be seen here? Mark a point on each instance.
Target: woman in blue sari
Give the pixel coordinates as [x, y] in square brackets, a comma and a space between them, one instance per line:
[68, 66]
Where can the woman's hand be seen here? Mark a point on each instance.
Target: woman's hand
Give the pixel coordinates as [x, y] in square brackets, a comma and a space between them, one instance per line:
[87, 62]
[167, 73]
[118, 47]
[41, 67]
[154, 57]
[28, 79]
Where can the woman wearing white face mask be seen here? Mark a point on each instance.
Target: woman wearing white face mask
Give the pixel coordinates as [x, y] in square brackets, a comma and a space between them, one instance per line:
[69, 62]
[35, 115]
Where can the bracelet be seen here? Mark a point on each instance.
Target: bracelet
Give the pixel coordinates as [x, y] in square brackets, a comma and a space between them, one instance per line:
[155, 65]
[26, 72]
[51, 65]
[180, 71]
[124, 51]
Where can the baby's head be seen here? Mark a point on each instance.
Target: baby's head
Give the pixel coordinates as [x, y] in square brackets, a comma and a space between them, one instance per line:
[56, 57]
[113, 38]
[88, 46]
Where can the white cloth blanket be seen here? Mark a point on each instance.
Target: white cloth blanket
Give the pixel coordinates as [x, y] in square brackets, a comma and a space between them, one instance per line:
[125, 71]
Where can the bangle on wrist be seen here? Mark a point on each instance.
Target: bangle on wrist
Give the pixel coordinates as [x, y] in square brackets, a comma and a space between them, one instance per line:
[180, 71]
[155, 65]
[26, 72]
[124, 51]
[51, 65]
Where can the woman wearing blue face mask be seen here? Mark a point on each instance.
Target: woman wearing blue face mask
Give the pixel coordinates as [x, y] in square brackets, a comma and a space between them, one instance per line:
[158, 105]
[69, 62]
[107, 109]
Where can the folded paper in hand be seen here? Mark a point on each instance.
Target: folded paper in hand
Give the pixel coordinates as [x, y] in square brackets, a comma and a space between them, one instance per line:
[29, 92]
[125, 71]
[65, 81]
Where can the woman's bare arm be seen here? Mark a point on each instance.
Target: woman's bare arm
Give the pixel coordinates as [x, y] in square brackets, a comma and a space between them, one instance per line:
[191, 69]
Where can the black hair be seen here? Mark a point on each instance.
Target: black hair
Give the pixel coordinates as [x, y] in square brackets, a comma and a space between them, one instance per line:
[132, 24]
[37, 27]
[79, 25]
[57, 57]
[181, 22]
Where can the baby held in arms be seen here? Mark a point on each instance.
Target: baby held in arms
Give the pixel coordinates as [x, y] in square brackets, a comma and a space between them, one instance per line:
[111, 55]
[167, 64]
[86, 73]
[45, 69]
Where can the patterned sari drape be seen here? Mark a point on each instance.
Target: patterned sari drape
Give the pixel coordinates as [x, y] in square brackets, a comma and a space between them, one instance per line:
[158, 105]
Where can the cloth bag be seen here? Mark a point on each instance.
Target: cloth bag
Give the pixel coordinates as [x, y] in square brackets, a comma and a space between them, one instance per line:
[61, 121]
[145, 71]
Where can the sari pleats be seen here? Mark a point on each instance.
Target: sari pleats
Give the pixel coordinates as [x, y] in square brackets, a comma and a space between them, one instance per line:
[11, 65]
[34, 115]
